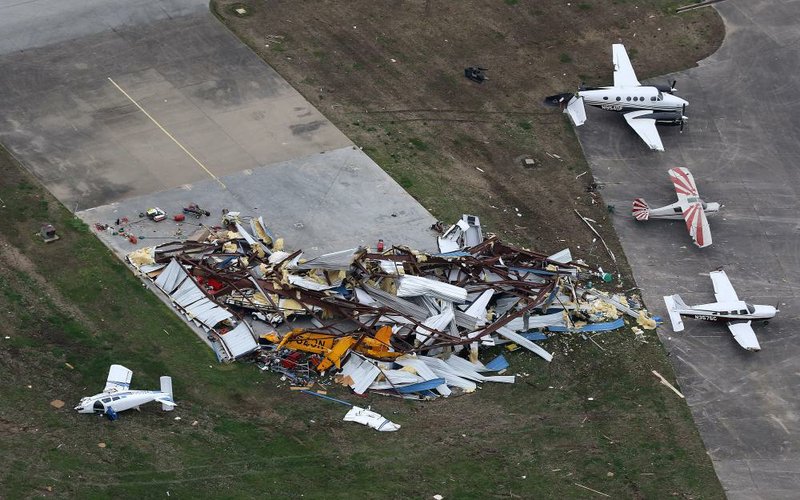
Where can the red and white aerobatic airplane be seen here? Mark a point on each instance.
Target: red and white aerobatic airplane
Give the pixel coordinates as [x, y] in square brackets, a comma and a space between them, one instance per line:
[689, 207]
[737, 314]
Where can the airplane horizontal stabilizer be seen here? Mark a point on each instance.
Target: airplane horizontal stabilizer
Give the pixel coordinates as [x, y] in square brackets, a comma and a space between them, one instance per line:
[673, 302]
[166, 404]
[641, 210]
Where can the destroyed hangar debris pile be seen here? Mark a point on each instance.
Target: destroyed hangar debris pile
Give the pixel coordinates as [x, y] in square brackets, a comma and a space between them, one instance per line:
[398, 321]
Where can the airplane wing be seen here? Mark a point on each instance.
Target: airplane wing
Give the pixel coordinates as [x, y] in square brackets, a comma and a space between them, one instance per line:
[623, 71]
[684, 183]
[645, 127]
[697, 224]
[723, 290]
[119, 378]
[744, 335]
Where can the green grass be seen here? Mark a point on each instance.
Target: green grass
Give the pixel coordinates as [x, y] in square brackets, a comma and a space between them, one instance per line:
[253, 437]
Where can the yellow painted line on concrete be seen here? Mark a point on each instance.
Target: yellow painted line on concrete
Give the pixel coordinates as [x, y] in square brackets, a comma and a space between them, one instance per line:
[199, 163]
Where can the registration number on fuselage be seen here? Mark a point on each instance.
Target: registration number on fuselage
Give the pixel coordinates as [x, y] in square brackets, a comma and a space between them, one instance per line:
[707, 317]
[612, 107]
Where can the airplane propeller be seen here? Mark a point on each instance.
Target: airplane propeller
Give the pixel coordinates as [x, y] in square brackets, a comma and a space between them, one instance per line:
[683, 117]
[668, 88]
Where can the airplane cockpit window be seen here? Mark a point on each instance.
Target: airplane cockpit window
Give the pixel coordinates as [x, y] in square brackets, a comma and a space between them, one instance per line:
[703, 204]
[751, 308]
[660, 96]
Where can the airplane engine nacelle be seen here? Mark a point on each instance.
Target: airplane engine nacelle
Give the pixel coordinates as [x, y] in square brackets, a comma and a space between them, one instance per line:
[666, 118]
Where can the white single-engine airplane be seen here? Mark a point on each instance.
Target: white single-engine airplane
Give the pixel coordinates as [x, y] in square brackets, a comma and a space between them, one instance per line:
[689, 207]
[643, 106]
[736, 313]
[117, 396]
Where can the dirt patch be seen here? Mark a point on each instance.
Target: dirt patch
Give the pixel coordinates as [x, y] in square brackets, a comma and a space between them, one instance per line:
[16, 265]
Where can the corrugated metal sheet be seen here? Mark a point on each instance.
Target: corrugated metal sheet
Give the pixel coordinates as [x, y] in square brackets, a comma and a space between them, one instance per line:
[239, 341]
[189, 298]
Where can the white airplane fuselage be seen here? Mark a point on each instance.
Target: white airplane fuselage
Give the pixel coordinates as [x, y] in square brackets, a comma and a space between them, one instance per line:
[728, 311]
[667, 108]
[118, 401]
[675, 210]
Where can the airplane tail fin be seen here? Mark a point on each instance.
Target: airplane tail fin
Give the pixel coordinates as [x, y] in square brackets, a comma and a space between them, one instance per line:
[674, 302]
[641, 210]
[166, 387]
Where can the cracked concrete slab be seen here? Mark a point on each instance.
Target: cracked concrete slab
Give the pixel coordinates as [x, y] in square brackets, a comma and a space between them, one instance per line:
[120, 105]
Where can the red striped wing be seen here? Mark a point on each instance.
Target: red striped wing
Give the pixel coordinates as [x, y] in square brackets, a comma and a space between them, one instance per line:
[683, 181]
[697, 224]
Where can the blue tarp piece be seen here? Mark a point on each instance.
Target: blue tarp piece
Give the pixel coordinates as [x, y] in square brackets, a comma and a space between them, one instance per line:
[342, 290]
[497, 364]
[536, 335]
[227, 262]
[421, 386]
[592, 327]
[111, 414]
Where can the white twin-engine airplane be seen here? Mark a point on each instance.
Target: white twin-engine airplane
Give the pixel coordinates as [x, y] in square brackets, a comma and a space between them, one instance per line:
[689, 207]
[117, 396]
[643, 106]
[736, 313]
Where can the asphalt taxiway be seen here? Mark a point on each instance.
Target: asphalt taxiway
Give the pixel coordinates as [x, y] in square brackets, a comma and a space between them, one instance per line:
[741, 143]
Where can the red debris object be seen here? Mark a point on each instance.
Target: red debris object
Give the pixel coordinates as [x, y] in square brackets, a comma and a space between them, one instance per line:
[380, 245]
[133, 239]
[179, 218]
[291, 360]
[214, 284]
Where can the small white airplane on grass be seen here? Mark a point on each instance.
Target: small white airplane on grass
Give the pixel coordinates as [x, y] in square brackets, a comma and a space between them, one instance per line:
[117, 396]
[689, 207]
[736, 313]
[643, 106]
